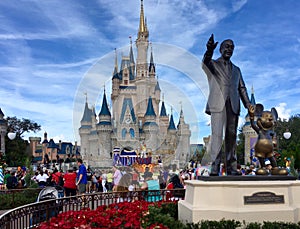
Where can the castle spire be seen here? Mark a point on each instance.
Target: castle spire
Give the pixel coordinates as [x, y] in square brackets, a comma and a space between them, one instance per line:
[151, 65]
[115, 73]
[143, 31]
[171, 124]
[150, 110]
[142, 27]
[104, 108]
[131, 57]
[252, 100]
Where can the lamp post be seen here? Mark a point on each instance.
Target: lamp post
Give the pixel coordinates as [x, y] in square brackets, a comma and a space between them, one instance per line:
[11, 135]
[287, 134]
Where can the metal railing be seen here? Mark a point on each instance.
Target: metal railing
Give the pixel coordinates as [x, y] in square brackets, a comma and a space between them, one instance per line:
[31, 215]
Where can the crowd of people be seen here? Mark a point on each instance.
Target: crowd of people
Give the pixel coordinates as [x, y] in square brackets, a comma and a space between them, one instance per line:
[81, 179]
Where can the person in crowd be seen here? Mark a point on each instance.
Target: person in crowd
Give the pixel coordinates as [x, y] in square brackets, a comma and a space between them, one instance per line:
[33, 178]
[268, 166]
[81, 177]
[89, 180]
[70, 183]
[124, 186]
[116, 177]
[147, 171]
[109, 181]
[12, 181]
[174, 182]
[95, 183]
[152, 186]
[104, 181]
[1, 176]
[6, 175]
[250, 171]
[57, 177]
[135, 179]
[42, 178]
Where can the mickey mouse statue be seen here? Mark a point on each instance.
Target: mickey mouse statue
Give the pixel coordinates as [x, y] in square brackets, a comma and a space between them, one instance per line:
[264, 147]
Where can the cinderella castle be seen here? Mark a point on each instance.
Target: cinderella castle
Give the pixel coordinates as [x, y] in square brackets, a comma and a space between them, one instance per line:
[138, 125]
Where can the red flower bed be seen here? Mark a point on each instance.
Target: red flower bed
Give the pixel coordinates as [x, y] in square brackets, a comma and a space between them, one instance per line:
[121, 215]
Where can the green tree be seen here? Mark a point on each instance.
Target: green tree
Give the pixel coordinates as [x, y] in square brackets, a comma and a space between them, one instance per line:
[240, 148]
[289, 147]
[17, 151]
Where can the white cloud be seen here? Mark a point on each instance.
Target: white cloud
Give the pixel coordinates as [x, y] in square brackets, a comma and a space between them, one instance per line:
[283, 112]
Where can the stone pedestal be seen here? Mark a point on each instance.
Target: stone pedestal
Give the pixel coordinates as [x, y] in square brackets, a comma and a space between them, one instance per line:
[252, 200]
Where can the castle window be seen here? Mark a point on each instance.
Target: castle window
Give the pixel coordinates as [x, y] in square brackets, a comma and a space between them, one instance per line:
[131, 131]
[126, 82]
[124, 132]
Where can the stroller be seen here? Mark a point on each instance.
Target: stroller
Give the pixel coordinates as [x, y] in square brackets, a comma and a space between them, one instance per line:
[51, 192]
[51, 209]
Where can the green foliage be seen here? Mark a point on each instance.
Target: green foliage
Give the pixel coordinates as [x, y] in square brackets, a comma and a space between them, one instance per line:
[253, 226]
[207, 224]
[289, 147]
[18, 198]
[21, 126]
[240, 148]
[279, 225]
[17, 150]
[166, 215]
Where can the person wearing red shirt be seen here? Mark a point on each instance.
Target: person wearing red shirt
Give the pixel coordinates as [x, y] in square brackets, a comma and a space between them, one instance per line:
[70, 183]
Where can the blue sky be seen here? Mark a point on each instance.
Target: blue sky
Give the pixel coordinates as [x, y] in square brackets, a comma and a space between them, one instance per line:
[52, 52]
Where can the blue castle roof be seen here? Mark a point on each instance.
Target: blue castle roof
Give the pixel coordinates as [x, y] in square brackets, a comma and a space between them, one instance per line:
[104, 108]
[150, 110]
[87, 114]
[171, 124]
[163, 111]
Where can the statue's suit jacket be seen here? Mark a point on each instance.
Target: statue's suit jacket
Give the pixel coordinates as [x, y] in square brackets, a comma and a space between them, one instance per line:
[225, 83]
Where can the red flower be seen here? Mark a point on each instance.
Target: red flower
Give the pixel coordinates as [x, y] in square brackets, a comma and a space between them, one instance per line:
[121, 215]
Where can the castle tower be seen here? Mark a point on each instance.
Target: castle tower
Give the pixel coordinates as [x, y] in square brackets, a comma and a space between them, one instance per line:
[84, 131]
[171, 134]
[3, 131]
[150, 127]
[143, 88]
[101, 147]
[184, 135]
[163, 119]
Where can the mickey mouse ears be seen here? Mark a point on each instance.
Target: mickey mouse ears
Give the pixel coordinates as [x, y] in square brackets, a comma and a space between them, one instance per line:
[259, 108]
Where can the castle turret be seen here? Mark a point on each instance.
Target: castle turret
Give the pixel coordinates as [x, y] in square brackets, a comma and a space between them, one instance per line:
[163, 119]
[115, 80]
[150, 127]
[183, 147]
[85, 129]
[102, 149]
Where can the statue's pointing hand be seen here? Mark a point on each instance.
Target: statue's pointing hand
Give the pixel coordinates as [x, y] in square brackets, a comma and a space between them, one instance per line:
[211, 45]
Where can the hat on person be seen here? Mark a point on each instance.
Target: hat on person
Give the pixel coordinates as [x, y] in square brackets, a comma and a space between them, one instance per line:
[267, 162]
